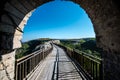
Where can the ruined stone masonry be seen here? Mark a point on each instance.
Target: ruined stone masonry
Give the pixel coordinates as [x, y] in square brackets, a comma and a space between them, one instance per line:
[7, 66]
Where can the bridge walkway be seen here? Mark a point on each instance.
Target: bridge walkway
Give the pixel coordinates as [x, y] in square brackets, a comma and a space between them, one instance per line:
[57, 66]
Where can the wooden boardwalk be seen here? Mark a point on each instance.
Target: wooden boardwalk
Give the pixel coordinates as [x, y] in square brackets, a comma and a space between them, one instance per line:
[56, 66]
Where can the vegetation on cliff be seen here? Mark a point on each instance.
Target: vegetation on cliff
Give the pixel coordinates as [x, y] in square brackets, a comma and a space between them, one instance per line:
[87, 45]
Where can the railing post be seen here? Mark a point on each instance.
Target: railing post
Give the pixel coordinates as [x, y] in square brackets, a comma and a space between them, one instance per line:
[92, 66]
[20, 73]
[23, 71]
[73, 53]
[43, 53]
[96, 71]
[25, 68]
[93, 71]
[83, 60]
[101, 71]
[28, 63]
[16, 70]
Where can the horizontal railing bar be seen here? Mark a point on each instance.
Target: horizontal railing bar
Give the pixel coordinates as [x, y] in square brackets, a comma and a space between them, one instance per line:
[27, 56]
[29, 63]
[84, 53]
[92, 59]
[25, 59]
[91, 65]
[95, 60]
[32, 54]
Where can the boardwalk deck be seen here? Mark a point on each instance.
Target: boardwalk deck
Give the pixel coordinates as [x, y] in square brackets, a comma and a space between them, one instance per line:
[56, 66]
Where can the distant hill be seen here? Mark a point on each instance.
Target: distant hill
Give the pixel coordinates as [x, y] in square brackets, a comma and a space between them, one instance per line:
[86, 39]
[30, 46]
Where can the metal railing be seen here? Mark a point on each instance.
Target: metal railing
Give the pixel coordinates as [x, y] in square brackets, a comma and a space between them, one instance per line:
[26, 65]
[90, 65]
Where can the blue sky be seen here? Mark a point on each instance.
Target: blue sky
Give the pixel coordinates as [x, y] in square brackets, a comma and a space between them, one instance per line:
[58, 19]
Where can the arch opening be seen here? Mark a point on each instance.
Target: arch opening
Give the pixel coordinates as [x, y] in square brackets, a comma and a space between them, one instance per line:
[67, 21]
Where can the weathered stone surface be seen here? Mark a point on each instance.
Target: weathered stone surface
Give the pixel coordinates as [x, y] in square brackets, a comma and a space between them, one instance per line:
[11, 40]
[7, 28]
[19, 6]
[5, 78]
[1, 67]
[7, 66]
[6, 19]
[111, 66]
[12, 10]
[2, 74]
[6, 41]
[18, 34]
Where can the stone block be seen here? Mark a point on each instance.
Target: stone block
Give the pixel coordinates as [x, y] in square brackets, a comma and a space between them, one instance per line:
[27, 5]
[2, 74]
[8, 56]
[17, 20]
[1, 67]
[6, 19]
[12, 75]
[8, 66]
[6, 28]
[16, 42]
[6, 41]
[6, 78]
[13, 11]
[19, 6]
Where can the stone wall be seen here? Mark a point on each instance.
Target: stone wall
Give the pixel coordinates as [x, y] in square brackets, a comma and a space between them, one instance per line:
[10, 38]
[7, 68]
[111, 66]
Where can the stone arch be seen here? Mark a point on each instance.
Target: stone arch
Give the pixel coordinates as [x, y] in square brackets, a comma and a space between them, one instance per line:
[104, 14]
